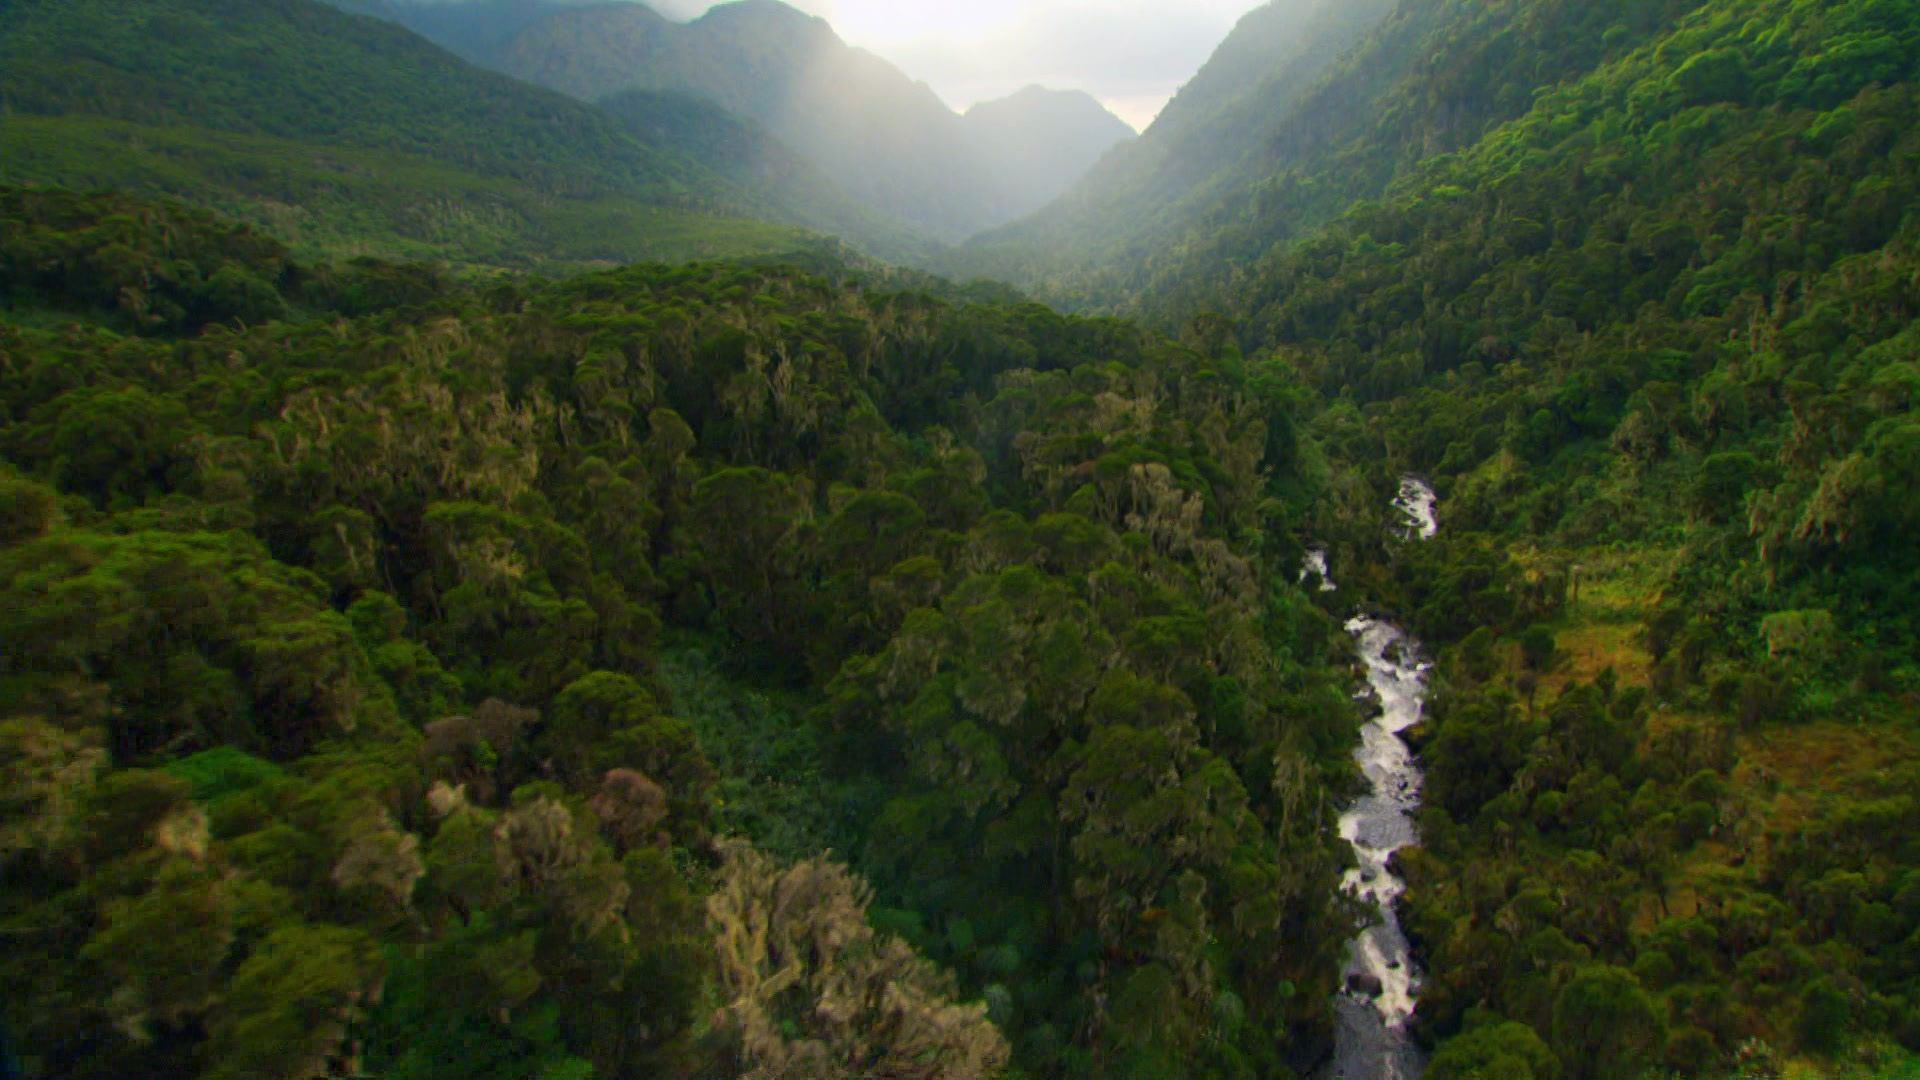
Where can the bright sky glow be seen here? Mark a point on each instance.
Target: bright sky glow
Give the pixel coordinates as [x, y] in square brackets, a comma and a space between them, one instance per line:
[1131, 54]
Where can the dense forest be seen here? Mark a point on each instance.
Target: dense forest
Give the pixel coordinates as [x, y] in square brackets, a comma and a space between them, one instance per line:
[435, 645]
[794, 667]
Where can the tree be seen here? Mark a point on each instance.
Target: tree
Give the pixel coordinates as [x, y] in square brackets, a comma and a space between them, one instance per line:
[293, 1003]
[115, 443]
[26, 509]
[814, 992]
[165, 949]
[610, 722]
[746, 526]
[1538, 647]
[1605, 1027]
[1494, 1050]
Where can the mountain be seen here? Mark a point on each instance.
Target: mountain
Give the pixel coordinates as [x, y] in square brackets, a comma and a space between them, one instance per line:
[1309, 108]
[342, 132]
[339, 131]
[591, 52]
[887, 140]
[1637, 287]
[1224, 129]
[1038, 142]
[1634, 285]
[377, 9]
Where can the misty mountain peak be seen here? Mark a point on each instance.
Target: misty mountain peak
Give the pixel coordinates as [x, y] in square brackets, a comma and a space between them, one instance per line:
[772, 15]
[1070, 106]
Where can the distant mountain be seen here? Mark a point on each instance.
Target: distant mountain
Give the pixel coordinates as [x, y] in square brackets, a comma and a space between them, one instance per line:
[344, 133]
[1038, 142]
[1310, 108]
[1226, 129]
[754, 162]
[888, 140]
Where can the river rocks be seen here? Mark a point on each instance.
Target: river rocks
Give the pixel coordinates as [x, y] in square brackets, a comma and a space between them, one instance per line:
[1382, 986]
[1418, 736]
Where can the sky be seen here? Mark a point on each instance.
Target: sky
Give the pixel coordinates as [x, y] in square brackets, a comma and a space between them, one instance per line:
[1131, 54]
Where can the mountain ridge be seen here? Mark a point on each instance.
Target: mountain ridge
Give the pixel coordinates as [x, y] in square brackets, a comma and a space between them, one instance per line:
[886, 138]
[1133, 205]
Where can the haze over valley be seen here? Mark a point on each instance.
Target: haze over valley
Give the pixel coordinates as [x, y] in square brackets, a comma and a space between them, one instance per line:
[883, 137]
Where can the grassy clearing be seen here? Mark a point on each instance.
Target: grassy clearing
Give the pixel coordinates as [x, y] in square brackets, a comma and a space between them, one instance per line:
[1609, 597]
[1787, 778]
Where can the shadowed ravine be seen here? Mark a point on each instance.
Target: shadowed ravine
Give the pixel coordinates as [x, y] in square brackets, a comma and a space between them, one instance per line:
[1382, 986]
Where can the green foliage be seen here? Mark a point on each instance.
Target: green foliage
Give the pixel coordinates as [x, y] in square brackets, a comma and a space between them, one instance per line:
[365, 140]
[334, 595]
[1537, 647]
[1494, 1050]
[223, 771]
[295, 998]
[1605, 1026]
[1632, 284]
[354, 650]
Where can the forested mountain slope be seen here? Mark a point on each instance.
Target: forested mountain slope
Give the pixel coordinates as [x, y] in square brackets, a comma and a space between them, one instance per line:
[1358, 94]
[1213, 135]
[778, 183]
[343, 133]
[389, 659]
[1654, 339]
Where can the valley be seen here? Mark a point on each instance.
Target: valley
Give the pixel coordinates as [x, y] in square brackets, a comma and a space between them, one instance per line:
[575, 541]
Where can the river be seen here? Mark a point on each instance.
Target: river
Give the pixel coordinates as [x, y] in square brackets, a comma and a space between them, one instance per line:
[1381, 984]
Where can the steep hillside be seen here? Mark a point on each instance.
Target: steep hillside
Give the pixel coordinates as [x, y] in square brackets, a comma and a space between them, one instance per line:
[1361, 93]
[590, 53]
[1654, 339]
[1634, 285]
[475, 30]
[1091, 246]
[341, 133]
[887, 140]
[753, 161]
[295, 69]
